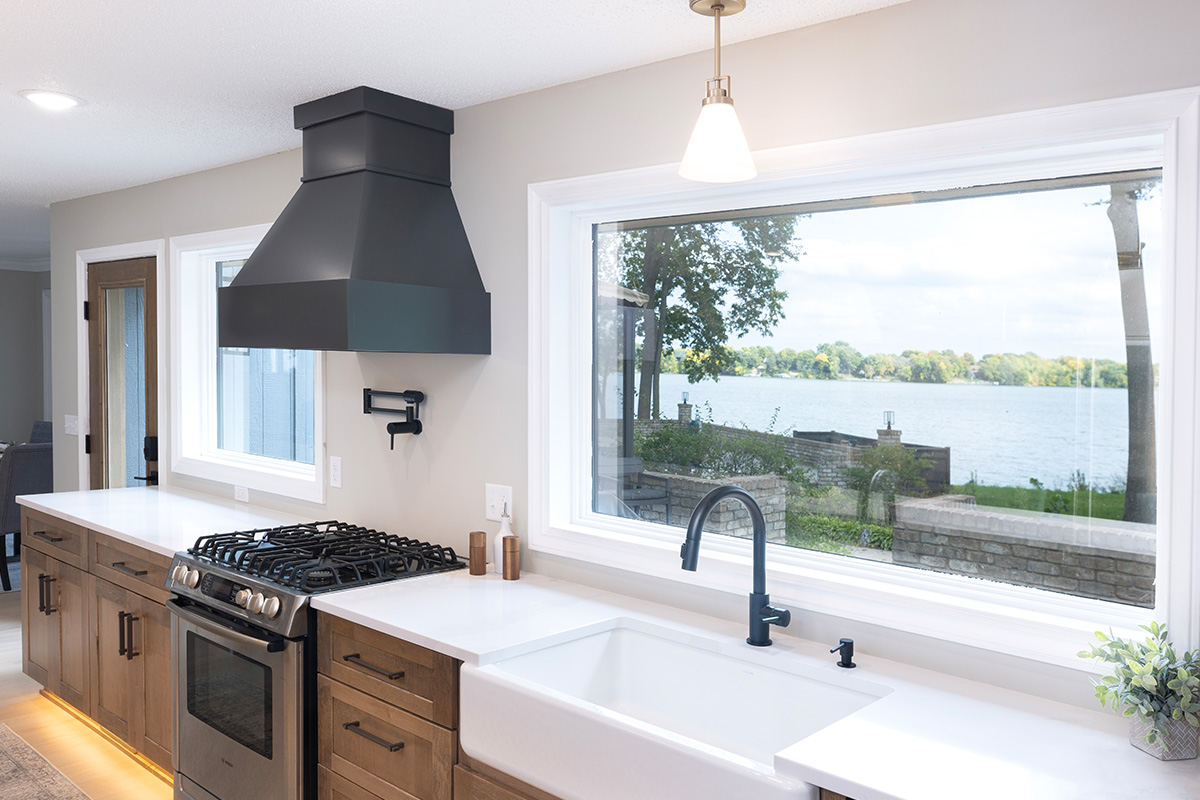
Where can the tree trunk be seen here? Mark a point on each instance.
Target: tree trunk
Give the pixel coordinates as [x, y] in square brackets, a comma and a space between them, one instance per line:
[1141, 490]
[658, 250]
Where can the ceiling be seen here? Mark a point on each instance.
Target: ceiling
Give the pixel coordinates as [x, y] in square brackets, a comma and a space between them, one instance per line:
[173, 88]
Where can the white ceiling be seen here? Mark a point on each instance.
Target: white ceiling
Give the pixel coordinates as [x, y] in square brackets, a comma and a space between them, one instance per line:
[174, 88]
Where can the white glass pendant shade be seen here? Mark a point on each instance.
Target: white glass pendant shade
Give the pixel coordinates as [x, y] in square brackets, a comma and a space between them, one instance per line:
[717, 151]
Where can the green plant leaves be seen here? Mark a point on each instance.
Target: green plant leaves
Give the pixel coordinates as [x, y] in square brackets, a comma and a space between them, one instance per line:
[1148, 679]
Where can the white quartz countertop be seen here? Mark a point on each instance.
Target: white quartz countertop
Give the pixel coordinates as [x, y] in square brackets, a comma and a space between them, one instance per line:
[934, 737]
[161, 519]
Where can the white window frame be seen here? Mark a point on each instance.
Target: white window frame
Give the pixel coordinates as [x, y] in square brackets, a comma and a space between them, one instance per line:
[1107, 136]
[194, 450]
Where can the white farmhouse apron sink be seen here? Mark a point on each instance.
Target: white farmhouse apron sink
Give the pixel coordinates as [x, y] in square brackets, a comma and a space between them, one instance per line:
[641, 710]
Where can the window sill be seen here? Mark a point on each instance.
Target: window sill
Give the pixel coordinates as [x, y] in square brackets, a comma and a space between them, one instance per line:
[1028, 623]
[288, 479]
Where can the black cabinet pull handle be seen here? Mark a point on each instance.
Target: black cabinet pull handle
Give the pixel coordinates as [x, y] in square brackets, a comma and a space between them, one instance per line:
[47, 537]
[353, 658]
[48, 610]
[121, 644]
[130, 653]
[354, 727]
[120, 566]
[42, 593]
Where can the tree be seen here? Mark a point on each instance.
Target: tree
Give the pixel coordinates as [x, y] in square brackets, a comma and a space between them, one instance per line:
[707, 282]
[1141, 482]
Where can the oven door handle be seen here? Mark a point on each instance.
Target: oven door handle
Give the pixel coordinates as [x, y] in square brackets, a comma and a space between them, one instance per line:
[208, 621]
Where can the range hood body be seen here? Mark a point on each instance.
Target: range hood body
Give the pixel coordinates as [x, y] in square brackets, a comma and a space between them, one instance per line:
[370, 254]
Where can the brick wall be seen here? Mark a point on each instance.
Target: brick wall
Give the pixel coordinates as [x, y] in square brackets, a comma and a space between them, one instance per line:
[1104, 559]
[731, 517]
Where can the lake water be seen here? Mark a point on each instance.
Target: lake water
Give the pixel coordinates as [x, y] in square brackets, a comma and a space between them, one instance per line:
[1005, 434]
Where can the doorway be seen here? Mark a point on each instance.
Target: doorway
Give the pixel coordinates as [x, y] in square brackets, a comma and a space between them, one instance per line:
[122, 316]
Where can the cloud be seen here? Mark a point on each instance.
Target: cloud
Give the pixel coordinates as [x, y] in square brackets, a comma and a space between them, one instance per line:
[1014, 273]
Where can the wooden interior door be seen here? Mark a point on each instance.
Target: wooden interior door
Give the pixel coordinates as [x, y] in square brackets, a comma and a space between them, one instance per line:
[122, 373]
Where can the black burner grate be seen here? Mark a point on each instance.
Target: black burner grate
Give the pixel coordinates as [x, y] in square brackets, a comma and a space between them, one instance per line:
[321, 556]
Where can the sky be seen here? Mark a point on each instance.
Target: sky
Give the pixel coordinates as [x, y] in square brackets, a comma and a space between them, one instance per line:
[1033, 272]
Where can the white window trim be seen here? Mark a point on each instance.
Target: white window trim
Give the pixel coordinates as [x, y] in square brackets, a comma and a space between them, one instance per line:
[1114, 135]
[194, 450]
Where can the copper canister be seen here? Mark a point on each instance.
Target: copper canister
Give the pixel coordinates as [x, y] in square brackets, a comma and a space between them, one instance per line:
[478, 553]
[512, 558]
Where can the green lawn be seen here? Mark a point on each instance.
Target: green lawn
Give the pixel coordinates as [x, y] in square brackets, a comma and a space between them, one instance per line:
[1102, 505]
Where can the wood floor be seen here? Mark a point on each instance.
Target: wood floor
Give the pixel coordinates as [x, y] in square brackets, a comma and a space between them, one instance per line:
[97, 767]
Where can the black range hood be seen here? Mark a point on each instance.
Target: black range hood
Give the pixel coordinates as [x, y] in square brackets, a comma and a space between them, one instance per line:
[370, 254]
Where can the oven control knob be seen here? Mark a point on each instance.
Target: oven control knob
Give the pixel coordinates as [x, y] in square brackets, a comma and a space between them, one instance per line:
[256, 603]
[271, 607]
[179, 573]
[192, 578]
[242, 598]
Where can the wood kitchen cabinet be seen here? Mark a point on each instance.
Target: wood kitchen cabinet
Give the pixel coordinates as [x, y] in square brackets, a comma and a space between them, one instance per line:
[54, 629]
[131, 674]
[95, 629]
[470, 784]
[387, 716]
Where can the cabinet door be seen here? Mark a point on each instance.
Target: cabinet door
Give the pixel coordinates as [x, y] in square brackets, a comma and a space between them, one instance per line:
[112, 676]
[390, 752]
[155, 724]
[72, 604]
[39, 631]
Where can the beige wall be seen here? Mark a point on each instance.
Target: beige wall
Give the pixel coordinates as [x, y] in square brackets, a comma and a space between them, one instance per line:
[919, 63]
[20, 352]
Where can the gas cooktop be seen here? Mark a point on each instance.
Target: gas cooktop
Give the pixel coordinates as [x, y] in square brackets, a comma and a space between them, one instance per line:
[323, 556]
[265, 576]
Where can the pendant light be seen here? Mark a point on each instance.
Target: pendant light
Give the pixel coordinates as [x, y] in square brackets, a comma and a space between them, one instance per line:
[717, 151]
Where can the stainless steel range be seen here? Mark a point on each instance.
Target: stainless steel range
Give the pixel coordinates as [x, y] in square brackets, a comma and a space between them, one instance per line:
[244, 654]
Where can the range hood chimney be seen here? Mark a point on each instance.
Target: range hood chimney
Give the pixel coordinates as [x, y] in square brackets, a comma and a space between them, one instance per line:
[370, 254]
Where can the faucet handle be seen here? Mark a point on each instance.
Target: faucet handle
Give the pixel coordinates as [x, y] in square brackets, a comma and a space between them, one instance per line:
[777, 616]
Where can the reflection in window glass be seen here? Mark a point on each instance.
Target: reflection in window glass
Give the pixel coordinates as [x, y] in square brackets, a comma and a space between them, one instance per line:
[961, 381]
[264, 397]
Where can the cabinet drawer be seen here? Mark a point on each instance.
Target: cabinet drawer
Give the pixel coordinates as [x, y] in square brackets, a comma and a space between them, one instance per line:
[406, 675]
[390, 752]
[470, 785]
[331, 786]
[55, 537]
[129, 566]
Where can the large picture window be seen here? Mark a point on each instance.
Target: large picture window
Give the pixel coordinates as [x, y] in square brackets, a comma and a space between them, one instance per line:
[956, 366]
[245, 416]
[960, 381]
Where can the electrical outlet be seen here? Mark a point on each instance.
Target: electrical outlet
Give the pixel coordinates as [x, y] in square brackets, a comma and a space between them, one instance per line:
[495, 498]
[335, 472]
[70, 425]
[241, 494]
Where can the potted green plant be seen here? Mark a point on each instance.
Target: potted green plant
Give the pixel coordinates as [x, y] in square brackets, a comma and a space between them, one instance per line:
[1158, 689]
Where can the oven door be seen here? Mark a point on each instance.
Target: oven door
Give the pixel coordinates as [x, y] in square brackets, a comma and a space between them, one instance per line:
[239, 717]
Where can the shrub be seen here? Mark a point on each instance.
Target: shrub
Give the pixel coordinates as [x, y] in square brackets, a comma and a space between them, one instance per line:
[803, 530]
[708, 452]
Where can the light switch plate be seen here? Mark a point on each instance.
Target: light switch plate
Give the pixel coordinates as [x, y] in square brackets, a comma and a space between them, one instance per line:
[241, 494]
[70, 425]
[495, 497]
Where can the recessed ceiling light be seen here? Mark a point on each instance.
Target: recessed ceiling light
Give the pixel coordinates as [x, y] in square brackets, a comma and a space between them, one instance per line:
[52, 101]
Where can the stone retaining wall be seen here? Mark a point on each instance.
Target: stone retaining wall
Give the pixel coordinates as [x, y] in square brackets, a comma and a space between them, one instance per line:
[1104, 559]
[730, 518]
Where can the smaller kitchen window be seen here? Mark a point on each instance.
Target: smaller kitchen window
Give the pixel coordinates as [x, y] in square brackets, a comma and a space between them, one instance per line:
[241, 415]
